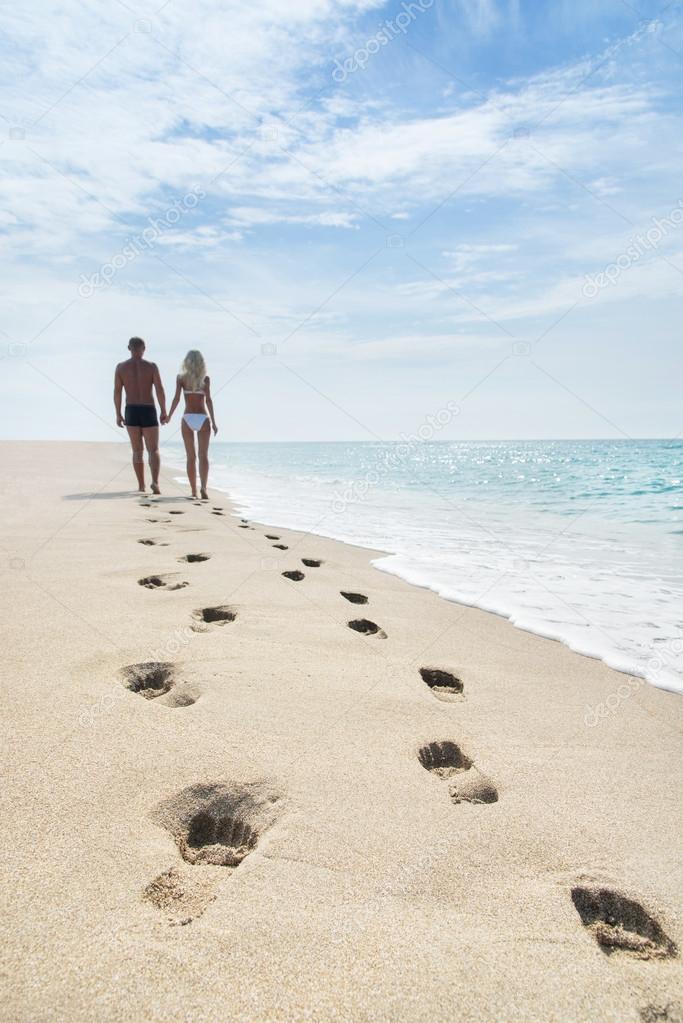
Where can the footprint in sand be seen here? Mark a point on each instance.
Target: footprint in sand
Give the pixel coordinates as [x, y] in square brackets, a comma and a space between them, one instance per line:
[162, 582]
[354, 598]
[281, 546]
[193, 558]
[215, 827]
[311, 562]
[295, 576]
[175, 511]
[270, 536]
[222, 614]
[180, 896]
[620, 924]
[216, 512]
[367, 628]
[153, 543]
[671, 1012]
[447, 761]
[443, 684]
[164, 522]
[157, 680]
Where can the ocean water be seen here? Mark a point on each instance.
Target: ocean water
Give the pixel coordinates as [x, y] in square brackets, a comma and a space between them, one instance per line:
[581, 541]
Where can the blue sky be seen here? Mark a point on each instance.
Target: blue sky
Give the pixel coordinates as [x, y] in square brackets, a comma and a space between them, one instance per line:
[359, 211]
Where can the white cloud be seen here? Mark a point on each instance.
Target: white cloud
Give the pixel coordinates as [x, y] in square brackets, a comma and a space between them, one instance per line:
[509, 195]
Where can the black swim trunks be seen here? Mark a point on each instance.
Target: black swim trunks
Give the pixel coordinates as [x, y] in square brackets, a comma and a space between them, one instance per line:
[141, 415]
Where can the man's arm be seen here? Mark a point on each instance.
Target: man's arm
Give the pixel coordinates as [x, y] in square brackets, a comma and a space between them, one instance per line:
[118, 391]
[161, 397]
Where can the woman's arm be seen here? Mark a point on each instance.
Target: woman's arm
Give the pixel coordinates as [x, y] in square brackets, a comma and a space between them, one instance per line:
[176, 398]
[209, 405]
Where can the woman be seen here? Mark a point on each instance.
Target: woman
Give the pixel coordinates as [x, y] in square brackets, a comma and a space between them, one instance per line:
[197, 418]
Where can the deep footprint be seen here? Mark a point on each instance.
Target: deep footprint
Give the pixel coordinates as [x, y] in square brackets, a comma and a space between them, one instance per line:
[268, 536]
[176, 511]
[217, 824]
[281, 546]
[442, 683]
[193, 558]
[155, 679]
[620, 924]
[212, 825]
[216, 512]
[161, 582]
[295, 576]
[447, 761]
[367, 628]
[444, 759]
[219, 615]
[354, 598]
[311, 562]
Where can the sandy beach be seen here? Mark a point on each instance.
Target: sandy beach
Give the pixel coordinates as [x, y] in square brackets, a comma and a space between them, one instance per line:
[221, 802]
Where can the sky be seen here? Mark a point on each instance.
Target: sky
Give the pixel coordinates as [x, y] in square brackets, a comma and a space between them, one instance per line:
[365, 214]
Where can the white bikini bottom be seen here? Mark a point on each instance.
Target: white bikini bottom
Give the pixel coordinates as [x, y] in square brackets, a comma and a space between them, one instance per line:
[195, 420]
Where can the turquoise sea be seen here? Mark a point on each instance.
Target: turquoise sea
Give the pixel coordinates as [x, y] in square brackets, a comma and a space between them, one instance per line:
[581, 541]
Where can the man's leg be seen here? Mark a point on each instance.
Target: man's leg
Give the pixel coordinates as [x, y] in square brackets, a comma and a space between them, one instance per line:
[151, 435]
[135, 434]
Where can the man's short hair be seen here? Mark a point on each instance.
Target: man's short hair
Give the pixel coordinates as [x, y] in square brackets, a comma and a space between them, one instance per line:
[136, 342]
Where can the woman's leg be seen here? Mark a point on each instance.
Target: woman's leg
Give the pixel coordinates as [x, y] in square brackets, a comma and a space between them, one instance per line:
[203, 438]
[188, 439]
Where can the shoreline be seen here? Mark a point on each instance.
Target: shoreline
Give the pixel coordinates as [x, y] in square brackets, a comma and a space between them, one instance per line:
[654, 667]
[412, 846]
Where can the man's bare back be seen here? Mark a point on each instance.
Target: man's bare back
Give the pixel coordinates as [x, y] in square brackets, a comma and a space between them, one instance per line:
[137, 378]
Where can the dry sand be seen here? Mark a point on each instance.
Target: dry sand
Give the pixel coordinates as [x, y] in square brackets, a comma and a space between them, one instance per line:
[286, 831]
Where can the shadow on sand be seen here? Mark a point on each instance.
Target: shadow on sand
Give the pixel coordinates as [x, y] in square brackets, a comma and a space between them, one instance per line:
[111, 495]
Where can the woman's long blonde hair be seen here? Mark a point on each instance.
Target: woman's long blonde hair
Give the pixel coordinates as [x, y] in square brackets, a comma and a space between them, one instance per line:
[193, 370]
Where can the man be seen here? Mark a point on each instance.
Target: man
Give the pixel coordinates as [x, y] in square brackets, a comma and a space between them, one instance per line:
[137, 377]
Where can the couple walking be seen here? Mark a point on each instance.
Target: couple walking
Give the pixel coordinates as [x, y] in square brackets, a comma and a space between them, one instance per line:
[139, 378]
